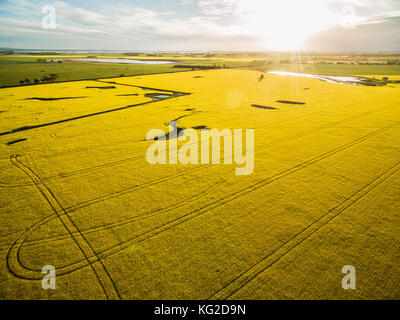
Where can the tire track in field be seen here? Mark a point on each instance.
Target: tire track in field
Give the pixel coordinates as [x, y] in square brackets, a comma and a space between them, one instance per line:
[218, 203]
[395, 249]
[99, 167]
[143, 88]
[277, 254]
[176, 94]
[64, 270]
[214, 113]
[101, 273]
[9, 234]
[199, 168]
[110, 164]
[30, 243]
[132, 189]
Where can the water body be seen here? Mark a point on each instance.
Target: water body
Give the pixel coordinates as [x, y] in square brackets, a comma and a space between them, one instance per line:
[162, 96]
[331, 79]
[158, 96]
[128, 61]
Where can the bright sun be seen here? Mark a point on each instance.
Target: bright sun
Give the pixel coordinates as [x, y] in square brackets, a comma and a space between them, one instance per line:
[285, 24]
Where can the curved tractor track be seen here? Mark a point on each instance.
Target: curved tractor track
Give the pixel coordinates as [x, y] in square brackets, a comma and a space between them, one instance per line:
[100, 271]
[94, 259]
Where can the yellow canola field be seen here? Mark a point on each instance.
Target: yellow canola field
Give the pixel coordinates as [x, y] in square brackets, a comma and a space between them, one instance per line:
[38, 104]
[80, 195]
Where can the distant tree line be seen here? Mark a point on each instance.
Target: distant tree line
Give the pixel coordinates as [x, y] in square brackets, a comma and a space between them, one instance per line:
[45, 79]
[199, 67]
[44, 53]
[259, 63]
[393, 62]
[361, 63]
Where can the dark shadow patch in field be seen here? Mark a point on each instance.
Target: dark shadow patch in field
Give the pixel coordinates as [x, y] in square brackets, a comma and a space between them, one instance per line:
[1, 111]
[290, 102]
[15, 141]
[306, 88]
[175, 93]
[103, 88]
[177, 119]
[197, 77]
[54, 99]
[201, 128]
[26, 128]
[190, 109]
[263, 107]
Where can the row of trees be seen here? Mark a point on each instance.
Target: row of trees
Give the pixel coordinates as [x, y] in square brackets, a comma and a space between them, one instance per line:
[343, 62]
[45, 79]
[199, 67]
[361, 63]
[258, 63]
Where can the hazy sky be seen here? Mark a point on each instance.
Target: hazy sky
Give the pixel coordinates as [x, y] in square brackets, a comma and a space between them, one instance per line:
[204, 25]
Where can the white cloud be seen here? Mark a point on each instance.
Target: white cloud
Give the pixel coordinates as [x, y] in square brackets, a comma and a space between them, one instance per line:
[187, 2]
[259, 24]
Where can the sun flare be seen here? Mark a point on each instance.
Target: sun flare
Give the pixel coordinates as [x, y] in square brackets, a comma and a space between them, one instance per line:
[286, 24]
